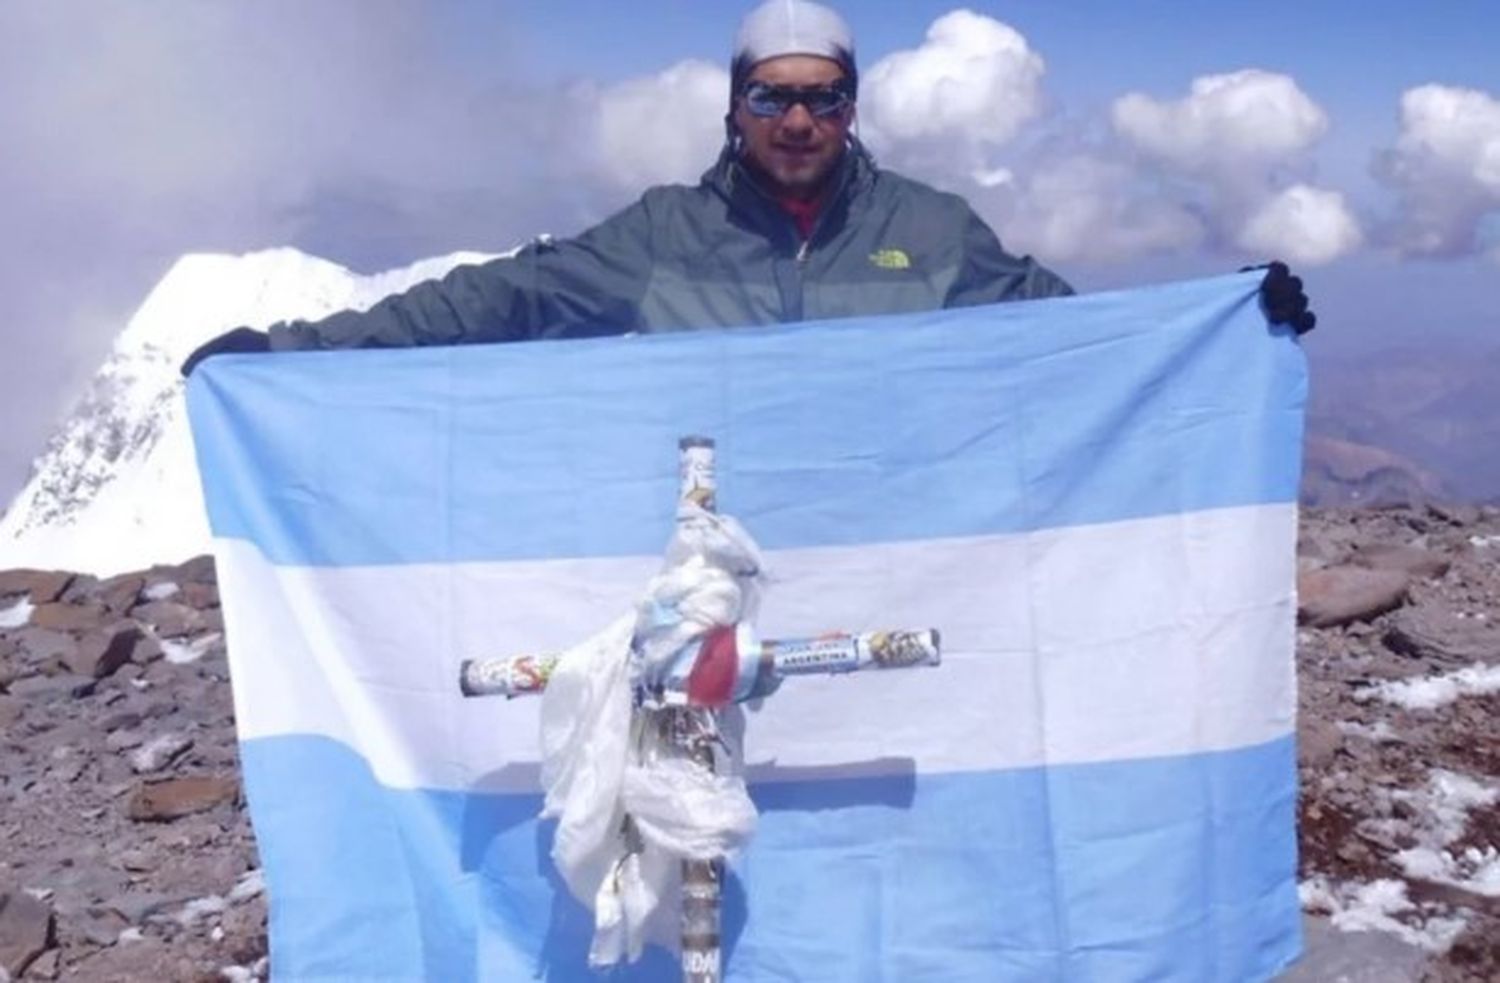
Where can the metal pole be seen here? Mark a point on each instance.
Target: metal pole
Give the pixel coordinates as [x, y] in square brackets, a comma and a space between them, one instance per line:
[695, 730]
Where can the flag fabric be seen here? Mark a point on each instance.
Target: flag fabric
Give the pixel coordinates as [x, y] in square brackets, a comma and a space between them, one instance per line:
[1092, 498]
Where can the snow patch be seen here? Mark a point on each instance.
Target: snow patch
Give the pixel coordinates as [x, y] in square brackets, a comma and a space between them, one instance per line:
[246, 974]
[200, 908]
[180, 653]
[1380, 730]
[251, 884]
[17, 614]
[1373, 906]
[1440, 817]
[1473, 869]
[1431, 692]
[161, 591]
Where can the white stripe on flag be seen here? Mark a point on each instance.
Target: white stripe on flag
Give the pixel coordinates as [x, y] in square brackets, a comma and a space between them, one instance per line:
[1153, 637]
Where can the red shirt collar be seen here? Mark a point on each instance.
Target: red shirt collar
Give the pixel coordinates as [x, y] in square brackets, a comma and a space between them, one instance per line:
[803, 211]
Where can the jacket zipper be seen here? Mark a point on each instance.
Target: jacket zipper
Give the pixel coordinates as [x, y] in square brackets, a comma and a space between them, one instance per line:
[795, 312]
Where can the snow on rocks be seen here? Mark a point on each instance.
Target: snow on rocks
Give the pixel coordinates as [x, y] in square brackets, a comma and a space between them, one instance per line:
[1432, 692]
[117, 487]
[120, 811]
[160, 752]
[1374, 907]
[1399, 824]
[17, 614]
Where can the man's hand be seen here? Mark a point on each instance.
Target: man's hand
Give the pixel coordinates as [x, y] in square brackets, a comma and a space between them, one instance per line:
[240, 341]
[1282, 297]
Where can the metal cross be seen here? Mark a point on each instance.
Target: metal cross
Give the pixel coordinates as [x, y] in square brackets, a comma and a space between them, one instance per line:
[688, 715]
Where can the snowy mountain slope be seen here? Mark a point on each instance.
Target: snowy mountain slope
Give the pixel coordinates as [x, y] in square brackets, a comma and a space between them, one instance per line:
[117, 487]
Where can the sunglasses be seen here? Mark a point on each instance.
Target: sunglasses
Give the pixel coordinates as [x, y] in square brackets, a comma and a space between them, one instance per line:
[767, 101]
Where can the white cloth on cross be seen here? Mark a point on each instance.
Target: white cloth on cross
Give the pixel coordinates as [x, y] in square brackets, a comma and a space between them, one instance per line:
[605, 757]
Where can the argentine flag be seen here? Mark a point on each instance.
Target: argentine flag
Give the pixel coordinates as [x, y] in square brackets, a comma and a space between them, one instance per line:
[1093, 498]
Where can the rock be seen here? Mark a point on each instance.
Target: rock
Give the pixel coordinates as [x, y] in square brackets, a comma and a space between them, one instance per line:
[1343, 594]
[1440, 635]
[1332, 956]
[119, 720]
[45, 967]
[123, 740]
[43, 688]
[10, 711]
[200, 596]
[178, 797]
[37, 645]
[198, 570]
[168, 619]
[1317, 741]
[147, 650]
[68, 769]
[42, 586]
[1415, 561]
[25, 931]
[100, 653]
[81, 589]
[160, 752]
[100, 925]
[61, 616]
[135, 907]
[1457, 514]
[119, 594]
[136, 861]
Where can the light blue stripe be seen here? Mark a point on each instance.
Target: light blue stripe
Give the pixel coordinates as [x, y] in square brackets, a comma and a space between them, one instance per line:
[956, 423]
[1167, 869]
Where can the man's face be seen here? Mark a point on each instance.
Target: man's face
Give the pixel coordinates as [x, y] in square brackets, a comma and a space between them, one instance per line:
[795, 151]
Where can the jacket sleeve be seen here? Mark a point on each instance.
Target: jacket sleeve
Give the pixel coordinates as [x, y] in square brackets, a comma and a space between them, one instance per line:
[989, 274]
[588, 285]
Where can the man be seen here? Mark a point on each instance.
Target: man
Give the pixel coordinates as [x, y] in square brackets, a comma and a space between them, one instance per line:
[794, 222]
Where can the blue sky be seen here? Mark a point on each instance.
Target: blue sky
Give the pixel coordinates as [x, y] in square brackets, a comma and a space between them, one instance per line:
[377, 132]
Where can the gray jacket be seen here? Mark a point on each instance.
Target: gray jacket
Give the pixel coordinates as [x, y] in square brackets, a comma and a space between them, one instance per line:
[721, 254]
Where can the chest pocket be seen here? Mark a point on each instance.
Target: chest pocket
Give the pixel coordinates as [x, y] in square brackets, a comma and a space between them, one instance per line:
[708, 291]
[876, 291]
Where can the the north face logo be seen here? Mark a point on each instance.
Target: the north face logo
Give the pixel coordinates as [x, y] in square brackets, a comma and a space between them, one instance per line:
[891, 259]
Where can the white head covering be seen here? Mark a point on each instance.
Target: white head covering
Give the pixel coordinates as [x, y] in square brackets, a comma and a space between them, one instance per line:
[791, 27]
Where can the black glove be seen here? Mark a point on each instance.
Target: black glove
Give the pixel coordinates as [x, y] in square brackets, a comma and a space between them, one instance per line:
[1282, 297]
[240, 341]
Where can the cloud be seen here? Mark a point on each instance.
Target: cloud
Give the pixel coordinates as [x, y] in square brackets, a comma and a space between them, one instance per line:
[1238, 142]
[970, 87]
[1239, 123]
[1084, 207]
[137, 132]
[1227, 166]
[1303, 225]
[661, 128]
[1445, 168]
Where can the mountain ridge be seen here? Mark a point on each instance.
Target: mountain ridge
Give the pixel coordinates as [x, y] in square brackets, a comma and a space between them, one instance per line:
[116, 486]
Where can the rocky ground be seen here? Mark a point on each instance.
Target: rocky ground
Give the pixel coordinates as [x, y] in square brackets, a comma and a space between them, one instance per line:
[1399, 736]
[126, 854]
